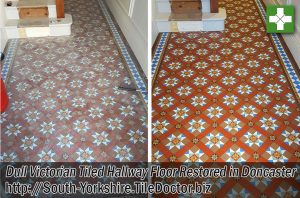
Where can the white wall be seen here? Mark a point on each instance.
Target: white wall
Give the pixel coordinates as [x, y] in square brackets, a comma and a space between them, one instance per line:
[292, 40]
[3, 36]
[132, 17]
[154, 25]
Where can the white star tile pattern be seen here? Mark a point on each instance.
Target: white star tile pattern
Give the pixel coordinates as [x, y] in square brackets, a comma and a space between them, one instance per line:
[238, 83]
[65, 105]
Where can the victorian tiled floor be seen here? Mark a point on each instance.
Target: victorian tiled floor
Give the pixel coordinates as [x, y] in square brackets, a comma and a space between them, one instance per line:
[225, 96]
[64, 99]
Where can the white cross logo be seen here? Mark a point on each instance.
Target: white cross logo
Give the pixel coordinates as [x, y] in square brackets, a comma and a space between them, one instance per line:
[280, 19]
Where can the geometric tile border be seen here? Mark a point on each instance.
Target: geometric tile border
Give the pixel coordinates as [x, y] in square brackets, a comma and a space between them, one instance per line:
[141, 85]
[158, 52]
[283, 56]
[9, 57]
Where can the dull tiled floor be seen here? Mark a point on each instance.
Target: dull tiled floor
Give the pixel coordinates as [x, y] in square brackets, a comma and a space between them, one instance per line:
[64, 99]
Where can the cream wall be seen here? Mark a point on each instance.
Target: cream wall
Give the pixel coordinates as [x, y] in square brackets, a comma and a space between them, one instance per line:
[3, 37]
[154, 26]
[132, 17]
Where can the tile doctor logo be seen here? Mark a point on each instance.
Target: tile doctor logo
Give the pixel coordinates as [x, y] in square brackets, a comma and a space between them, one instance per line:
[280, 19]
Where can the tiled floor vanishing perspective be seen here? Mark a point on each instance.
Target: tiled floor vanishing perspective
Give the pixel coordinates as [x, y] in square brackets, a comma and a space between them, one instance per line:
[65, 105]
[226, 96]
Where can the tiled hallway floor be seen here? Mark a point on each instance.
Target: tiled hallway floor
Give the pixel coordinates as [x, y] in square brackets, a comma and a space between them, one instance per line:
[64, 102]
[225, 96]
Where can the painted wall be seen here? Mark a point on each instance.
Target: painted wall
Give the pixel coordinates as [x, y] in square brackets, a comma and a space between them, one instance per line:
[154, 26]
[132, 17]
[3, 37]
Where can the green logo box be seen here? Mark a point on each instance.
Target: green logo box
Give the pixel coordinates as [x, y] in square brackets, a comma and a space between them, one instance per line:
[280, 19]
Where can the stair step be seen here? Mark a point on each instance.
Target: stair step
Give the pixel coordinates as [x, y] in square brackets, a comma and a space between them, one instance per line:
[209, 22]
[186, 17]
[33, 12]
[12, 12]
[164, 6]
[34, 3]
[36, 22]
[24, 28]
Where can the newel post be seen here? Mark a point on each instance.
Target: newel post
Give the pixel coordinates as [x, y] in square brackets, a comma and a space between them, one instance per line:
[214, 7]
[60, 9]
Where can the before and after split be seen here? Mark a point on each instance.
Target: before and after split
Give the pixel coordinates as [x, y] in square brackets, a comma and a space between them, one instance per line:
[150, 98]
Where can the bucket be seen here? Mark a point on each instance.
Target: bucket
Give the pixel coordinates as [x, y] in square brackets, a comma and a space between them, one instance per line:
[4, 97]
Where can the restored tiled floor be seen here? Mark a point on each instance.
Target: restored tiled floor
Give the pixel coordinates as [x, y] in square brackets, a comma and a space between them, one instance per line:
[64, 100]
[225, 96]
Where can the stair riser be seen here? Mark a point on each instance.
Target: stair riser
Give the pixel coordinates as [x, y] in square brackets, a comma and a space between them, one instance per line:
[184, 26]
[13, 13]
[179, 26]
[55, 28]
[186, 7]
[25, 13]
[37, 32]
[210, 22]
[163, 6]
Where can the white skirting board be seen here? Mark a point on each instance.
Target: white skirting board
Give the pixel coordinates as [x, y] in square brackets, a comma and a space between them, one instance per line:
[3, 38]
[293, 43]
[133, 23]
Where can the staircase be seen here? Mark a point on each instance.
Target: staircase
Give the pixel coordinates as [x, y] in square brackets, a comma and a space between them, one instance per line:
[35, 18]
[208, 19]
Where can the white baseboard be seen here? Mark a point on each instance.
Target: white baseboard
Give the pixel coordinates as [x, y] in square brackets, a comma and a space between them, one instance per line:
[3, 40]
[3, 36]
[136, 40]
[155, 32]
[293, 44]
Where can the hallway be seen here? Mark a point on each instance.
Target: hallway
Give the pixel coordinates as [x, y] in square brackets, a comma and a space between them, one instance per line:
[229, 96]
[65, 104]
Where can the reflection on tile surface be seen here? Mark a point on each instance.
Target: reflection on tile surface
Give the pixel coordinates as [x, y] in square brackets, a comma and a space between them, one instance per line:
[225, 96]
